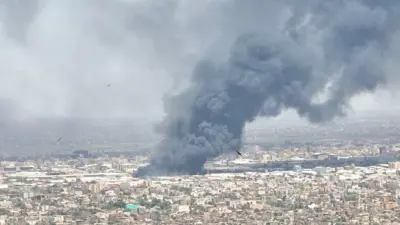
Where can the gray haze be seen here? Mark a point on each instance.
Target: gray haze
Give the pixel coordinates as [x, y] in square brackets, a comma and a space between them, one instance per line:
[325, 54]
[57, 58]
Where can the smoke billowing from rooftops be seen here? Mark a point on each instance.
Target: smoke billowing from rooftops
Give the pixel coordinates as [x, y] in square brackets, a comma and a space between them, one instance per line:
[337, 47]
[57, 58]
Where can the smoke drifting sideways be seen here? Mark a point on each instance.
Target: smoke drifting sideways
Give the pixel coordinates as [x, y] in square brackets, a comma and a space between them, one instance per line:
[266, 74]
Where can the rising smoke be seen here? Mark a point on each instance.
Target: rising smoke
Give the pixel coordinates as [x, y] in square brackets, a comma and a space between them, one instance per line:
[334, 46]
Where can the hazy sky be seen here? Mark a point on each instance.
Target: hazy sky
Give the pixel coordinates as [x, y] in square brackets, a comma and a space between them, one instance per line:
[58, 56]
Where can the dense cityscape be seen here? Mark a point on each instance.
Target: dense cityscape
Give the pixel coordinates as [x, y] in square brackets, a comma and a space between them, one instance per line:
[179, 112]
[85, 188]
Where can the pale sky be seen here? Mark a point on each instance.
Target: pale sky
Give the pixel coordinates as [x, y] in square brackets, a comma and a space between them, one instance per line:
[57, 58]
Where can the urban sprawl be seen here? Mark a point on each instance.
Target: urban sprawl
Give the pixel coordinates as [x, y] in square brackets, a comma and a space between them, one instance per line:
[102, 190]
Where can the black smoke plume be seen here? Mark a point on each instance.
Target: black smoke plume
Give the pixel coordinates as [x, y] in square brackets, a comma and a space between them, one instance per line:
[267, 73]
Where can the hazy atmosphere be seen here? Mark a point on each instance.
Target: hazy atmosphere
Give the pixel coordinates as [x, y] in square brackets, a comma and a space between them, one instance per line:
[57, 57]
[199, 112]
[121, 59]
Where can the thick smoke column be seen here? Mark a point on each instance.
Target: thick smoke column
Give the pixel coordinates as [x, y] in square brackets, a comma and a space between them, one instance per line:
[266, 74]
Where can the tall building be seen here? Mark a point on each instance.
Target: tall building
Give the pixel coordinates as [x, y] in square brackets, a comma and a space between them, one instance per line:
[95, 187]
